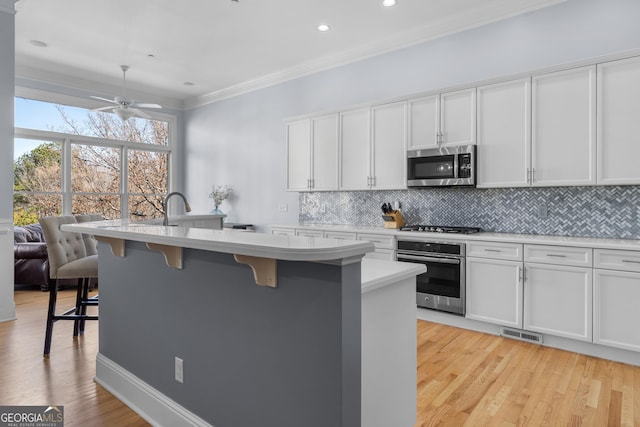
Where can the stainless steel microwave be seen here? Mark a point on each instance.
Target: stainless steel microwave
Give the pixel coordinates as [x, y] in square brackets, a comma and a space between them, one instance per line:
[444, 166]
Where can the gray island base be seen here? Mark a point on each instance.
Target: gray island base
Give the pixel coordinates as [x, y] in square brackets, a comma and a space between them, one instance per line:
[291, 354]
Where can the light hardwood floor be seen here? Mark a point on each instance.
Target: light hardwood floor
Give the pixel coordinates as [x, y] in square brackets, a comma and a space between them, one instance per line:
[464, 378]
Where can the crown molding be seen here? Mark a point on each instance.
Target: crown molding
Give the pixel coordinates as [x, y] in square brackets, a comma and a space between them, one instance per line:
[463, 21]
[77, 87]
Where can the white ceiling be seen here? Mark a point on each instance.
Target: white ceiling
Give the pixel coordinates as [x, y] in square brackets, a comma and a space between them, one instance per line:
[224, 47]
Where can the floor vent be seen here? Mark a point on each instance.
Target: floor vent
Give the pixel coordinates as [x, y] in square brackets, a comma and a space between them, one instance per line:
[522, 335]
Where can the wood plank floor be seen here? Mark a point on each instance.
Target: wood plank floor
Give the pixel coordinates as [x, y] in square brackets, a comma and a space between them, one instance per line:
[465, 378]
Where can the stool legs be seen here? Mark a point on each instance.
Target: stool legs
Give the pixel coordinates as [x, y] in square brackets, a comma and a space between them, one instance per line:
[53, 295]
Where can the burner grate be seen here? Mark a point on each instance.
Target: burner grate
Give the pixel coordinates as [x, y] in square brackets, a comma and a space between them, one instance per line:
[440, 229]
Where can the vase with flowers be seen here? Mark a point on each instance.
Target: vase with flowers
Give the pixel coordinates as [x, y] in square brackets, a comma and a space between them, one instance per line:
[219, 194]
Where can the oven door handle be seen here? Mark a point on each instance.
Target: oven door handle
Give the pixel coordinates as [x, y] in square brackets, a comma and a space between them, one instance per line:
[426, 258]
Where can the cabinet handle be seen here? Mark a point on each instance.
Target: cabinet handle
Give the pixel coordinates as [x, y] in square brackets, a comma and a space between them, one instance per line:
[373, 181]
[631, 261]
[492, 250]
[528, 176]
[533, 175]
[556, 256]
[520, 274]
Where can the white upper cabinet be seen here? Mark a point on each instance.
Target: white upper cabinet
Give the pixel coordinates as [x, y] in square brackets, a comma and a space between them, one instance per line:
[504, 134]
[619, 122]
[563, 128]
[355, 156]
[388, 143]
[324, 143]
[312, 154]
[299, 155]
[443, 119]
[458, 117]
[424, 122]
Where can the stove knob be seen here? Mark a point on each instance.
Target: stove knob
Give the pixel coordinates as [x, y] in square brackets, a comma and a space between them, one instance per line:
[439, 230]
[420, 228]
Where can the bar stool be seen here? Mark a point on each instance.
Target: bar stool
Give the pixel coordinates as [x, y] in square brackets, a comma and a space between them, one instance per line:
[67, 260]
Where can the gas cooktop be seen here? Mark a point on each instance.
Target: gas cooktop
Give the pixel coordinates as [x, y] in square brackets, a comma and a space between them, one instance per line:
[440, 229]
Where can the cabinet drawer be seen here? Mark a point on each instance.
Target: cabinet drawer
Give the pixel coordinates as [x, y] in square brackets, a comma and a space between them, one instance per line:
[560, 255]
[616, 260]
[340, 235]
[310, 233]
[494, 250]
[379, 240]
[283, 231]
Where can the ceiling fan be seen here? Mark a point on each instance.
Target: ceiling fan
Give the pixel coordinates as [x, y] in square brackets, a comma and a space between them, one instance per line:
[124, 107]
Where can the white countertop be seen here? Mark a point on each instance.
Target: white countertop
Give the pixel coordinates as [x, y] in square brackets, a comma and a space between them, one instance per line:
[291, 248]
[538, 239]
[377, 273]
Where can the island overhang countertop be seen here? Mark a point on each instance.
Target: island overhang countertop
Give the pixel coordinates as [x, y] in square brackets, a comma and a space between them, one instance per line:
[289, 248]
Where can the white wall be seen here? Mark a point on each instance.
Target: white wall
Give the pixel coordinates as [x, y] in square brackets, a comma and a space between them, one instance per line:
[7, 36]
[241, 141]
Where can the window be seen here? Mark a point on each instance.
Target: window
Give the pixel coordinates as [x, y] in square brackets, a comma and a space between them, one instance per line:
[70, 160]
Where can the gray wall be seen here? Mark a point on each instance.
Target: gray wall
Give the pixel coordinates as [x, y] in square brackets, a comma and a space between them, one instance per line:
[253, 356]
[241, 141]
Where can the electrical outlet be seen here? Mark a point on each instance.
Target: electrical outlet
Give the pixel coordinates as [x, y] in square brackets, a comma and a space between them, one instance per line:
[283, 208]
[323, 207]
[179, 370]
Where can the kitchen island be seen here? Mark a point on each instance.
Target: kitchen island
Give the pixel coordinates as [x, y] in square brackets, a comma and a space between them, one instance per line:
[214, 327]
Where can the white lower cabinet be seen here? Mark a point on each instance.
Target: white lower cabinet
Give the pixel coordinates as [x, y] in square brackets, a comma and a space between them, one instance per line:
[558, 300]
[616, 295]
[494, 291]
[616, 313]
[310, 233]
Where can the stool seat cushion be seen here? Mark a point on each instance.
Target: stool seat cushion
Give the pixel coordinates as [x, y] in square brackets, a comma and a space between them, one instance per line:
[82, 267]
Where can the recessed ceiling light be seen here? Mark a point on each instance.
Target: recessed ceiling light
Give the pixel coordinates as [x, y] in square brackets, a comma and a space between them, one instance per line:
[38, 43]
[151, 55]
[189, 84]
[323, 28]
[388, 3]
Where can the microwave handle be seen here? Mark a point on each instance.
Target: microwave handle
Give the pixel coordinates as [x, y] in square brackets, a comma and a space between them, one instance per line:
[456, 166]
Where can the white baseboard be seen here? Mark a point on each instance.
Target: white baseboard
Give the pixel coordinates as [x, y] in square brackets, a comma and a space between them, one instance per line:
[156, 408]
[590, 349]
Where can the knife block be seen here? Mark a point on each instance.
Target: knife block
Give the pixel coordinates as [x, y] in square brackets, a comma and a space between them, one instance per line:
[393, 219]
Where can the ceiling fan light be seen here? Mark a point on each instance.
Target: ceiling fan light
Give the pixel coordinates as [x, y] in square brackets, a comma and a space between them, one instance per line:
[124, 114]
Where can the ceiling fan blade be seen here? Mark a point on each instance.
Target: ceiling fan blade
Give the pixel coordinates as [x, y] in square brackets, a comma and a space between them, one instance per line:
[144, 105]
[103, 108]
[140, 113]
[104, 99]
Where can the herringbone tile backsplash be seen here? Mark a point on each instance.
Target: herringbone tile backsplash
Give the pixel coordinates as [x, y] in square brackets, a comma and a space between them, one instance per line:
[609, 211]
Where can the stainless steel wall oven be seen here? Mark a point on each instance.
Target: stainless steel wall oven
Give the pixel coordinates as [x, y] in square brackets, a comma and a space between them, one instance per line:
[442, 287]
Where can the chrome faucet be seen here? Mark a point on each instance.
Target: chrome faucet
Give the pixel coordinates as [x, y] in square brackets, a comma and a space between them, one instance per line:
[166, 205]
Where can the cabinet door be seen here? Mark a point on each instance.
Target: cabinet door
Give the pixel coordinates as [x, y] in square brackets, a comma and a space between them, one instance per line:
[299, 155]
[494, 291]
[558, 300]
[389, 147]
[563, 128]
[619, 122]
[354, 149]
[458, 117]
[616, 314]
[324, 171]
[504, 134]
[424, 122]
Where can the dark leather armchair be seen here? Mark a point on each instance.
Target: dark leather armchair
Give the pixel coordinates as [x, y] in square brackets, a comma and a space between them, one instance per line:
[30, 261]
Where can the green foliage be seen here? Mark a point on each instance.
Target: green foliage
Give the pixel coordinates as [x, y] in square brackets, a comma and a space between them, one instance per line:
[24, 216]
[44, 155]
